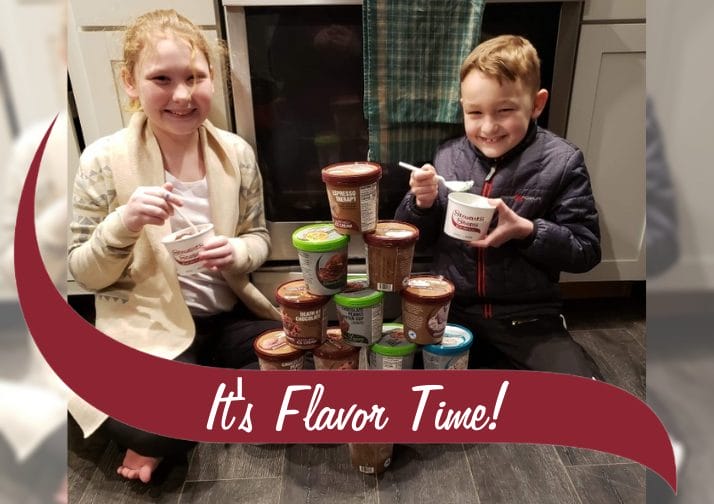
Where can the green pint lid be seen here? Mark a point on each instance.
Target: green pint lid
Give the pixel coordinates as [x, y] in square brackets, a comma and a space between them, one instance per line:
[359, 299]
[320, 237]
[393, 343]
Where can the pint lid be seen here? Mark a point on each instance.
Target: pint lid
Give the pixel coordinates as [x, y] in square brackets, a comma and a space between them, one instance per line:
[320, 237]
[428, 289]
[359, 298]
[335, 347]
[273, 345]
[352, 173]
[294, 294]
[392, 233]
[456, 340]
[393, 343]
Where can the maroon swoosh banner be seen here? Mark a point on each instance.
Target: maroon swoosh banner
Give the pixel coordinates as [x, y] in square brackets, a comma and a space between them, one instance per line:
[223, 405]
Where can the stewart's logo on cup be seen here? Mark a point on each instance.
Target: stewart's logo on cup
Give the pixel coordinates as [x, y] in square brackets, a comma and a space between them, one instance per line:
[467, 223]
[468, 216]
[185, 245]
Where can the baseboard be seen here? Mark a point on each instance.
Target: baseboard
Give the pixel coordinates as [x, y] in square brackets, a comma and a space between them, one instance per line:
[587, 290]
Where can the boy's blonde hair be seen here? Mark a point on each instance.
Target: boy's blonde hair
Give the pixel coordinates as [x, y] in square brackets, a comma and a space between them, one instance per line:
[162, 23]
[505, 57]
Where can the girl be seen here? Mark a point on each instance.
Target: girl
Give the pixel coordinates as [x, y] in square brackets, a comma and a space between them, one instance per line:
[126, 187]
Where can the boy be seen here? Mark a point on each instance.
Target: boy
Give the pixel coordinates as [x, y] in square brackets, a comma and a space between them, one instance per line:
[507, 283]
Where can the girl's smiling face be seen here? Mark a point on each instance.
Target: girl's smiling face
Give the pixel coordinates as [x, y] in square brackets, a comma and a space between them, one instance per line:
[497, 115]
[173, 86]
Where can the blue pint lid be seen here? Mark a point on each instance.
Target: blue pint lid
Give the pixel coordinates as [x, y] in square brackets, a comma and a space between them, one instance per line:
[456, 339]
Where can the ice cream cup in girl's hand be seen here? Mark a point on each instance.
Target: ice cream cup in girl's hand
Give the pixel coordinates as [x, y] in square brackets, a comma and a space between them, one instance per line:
[468, 216]
[184, 246]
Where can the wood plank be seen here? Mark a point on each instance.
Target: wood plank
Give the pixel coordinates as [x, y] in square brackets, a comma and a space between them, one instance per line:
[324, 474]
[579, 456]
[620, 358]
[107, 486]
[254, 491]
[609, 484]
[526, 474]
[428, 473]
[82, 457]
[638, 331]
[218, 461]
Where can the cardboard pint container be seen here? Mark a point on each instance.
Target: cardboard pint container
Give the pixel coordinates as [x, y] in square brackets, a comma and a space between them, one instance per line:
[353, 193]
[468, 216]
[184, 246]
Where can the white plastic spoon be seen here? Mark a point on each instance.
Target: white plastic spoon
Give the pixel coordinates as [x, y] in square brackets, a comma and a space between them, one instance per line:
[451, 185]
[194, 229]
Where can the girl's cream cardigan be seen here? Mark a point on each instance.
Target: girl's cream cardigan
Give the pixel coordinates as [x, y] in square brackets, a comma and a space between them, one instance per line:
[137, 295]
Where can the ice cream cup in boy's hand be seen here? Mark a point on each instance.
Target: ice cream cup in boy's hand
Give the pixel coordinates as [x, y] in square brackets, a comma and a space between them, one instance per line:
[185, 246]
[468, 216]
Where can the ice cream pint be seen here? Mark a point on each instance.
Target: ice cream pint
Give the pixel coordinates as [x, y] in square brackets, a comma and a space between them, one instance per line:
[392, 351]
[371, 458]
[185, 245]
[425, 307]
[274, 353]
[335, 353]
[322, 252]
[352, 190]
[390, 250]
[360, 315]
[452, 352]
[304, 315]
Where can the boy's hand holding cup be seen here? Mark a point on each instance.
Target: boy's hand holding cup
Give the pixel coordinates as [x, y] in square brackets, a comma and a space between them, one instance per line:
[511, 226]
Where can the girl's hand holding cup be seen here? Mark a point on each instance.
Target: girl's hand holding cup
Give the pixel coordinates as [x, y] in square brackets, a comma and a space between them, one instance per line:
[217, 253]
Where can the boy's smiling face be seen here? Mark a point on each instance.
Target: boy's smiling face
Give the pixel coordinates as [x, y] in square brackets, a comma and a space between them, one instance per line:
[497, 115]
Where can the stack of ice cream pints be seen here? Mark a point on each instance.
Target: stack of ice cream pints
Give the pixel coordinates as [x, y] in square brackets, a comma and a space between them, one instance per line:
[353, 193]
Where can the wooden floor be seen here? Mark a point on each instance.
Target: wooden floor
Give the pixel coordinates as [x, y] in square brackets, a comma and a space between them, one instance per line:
[612, 331]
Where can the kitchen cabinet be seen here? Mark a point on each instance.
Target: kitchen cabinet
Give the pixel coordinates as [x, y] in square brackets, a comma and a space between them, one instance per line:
[613, 10]
[95, 38]
[119, 13]
[606, 121]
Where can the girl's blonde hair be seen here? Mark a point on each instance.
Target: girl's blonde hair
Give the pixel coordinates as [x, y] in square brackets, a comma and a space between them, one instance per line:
[505, 57]
[161, 23]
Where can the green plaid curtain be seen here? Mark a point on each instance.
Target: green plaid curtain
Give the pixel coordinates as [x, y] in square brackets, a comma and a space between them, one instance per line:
[413, 50]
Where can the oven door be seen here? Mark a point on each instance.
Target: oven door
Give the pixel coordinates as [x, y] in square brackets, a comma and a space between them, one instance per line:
[297, 83]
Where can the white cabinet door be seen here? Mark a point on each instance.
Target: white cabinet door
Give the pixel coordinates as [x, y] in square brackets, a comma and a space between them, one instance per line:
[604, 10]
[606, 121]
[121, 12]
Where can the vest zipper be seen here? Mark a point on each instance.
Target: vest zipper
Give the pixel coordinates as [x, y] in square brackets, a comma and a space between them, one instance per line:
[481, 253]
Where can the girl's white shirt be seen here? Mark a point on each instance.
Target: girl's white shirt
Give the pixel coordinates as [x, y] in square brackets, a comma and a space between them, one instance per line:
[205, 292]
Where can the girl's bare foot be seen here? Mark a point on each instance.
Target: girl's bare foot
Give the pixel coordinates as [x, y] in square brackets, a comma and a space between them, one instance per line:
[137, 466]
